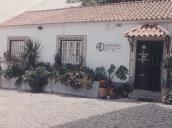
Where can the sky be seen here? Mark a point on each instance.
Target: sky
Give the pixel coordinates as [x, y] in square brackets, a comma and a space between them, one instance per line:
[53, 4]
[10, 8]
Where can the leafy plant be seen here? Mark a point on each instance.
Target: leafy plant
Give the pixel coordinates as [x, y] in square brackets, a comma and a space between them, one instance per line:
[71, 79]
[58, 60]
[90, 72]
[47, 66]
[1, 72]
[77, 79]
[68, 68]
[13, 70]
[168, 63]
[167, 99]
[75, 76]
[36, 78]
[9, 58]
[31, 53]
[121, 73]
[100, 73]
[95, 2]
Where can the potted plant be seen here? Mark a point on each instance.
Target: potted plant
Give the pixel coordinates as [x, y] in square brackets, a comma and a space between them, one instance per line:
[37, 78]
[100, 75]
[167, 98]
[120, 73]
[106, 79]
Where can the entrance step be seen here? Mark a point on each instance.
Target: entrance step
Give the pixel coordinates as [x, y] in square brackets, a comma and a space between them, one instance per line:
[144, 95]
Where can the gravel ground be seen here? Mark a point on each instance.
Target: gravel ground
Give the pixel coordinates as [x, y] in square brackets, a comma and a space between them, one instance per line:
[27, 110]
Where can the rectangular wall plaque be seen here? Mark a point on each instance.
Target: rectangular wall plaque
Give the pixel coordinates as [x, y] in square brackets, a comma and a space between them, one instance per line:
[112, 47]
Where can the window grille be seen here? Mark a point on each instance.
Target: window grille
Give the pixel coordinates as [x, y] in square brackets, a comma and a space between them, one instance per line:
[17, 48]
[71, 49]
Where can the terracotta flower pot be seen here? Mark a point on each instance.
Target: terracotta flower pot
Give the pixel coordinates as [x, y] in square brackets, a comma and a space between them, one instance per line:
[103, 92]
[113, 93]
[102, 83]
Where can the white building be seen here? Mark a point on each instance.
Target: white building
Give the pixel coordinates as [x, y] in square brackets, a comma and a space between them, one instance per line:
[134, 34]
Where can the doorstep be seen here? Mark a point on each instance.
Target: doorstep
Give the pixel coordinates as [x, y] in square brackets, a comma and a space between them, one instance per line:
[144, 95]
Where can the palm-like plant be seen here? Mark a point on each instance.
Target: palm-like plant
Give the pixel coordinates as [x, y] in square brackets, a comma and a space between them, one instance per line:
[31, 53]
[121, 73]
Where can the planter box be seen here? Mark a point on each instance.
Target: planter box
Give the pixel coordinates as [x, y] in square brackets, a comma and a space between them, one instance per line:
[11, 84]
[54, 87]
[8, 83]
[59, 88]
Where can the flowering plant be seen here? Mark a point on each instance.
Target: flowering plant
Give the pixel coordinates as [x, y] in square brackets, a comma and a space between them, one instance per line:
[36, 78]
[13, 70]
[167, 99]
[77, 79]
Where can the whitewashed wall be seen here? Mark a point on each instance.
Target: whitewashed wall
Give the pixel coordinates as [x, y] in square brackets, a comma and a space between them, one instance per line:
[96, 32]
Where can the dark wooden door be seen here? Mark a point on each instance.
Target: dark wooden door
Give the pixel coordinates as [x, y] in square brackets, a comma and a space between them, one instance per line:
[148, 65]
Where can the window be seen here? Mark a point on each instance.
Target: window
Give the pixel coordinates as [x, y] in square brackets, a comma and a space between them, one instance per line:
[72, 49]
[16, 46]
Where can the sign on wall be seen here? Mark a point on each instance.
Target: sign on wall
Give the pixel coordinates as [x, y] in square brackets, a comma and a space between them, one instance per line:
[108, 47]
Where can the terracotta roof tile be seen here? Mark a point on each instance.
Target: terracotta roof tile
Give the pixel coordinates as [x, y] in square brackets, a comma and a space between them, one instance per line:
[147, 30]
[125, 11]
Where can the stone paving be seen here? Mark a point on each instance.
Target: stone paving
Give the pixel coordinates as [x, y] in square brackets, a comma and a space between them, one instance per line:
[27, 110]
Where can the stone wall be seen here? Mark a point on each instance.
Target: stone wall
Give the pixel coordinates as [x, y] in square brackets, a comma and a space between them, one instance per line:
[53, 87]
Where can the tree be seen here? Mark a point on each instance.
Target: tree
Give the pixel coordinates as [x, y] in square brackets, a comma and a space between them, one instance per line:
[94, 2]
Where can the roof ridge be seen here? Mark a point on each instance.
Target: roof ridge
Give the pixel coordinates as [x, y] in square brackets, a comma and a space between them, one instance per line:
[99, 5]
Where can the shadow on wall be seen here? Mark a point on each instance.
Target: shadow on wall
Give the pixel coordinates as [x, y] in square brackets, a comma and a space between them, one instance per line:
[150, 115]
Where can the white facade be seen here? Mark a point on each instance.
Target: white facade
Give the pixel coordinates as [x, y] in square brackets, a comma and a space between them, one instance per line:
[105, 32]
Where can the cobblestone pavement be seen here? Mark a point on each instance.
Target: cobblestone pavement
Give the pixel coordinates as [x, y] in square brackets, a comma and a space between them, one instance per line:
[26, 110]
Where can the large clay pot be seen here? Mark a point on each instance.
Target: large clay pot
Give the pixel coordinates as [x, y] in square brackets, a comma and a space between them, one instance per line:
[103, 92]
[102, 83]
[113, 93]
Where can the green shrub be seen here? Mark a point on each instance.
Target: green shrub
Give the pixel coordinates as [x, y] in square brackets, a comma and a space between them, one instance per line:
[31, 53]
[168, 63]
[13, 70]
[68, 68]
[36, 78]
[57, 60]
[90, 72]
[100, 74]
[47, 66]
[1, 71]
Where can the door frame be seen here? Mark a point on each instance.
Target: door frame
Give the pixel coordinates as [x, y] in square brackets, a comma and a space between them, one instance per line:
[132, 61]
[161, 43]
